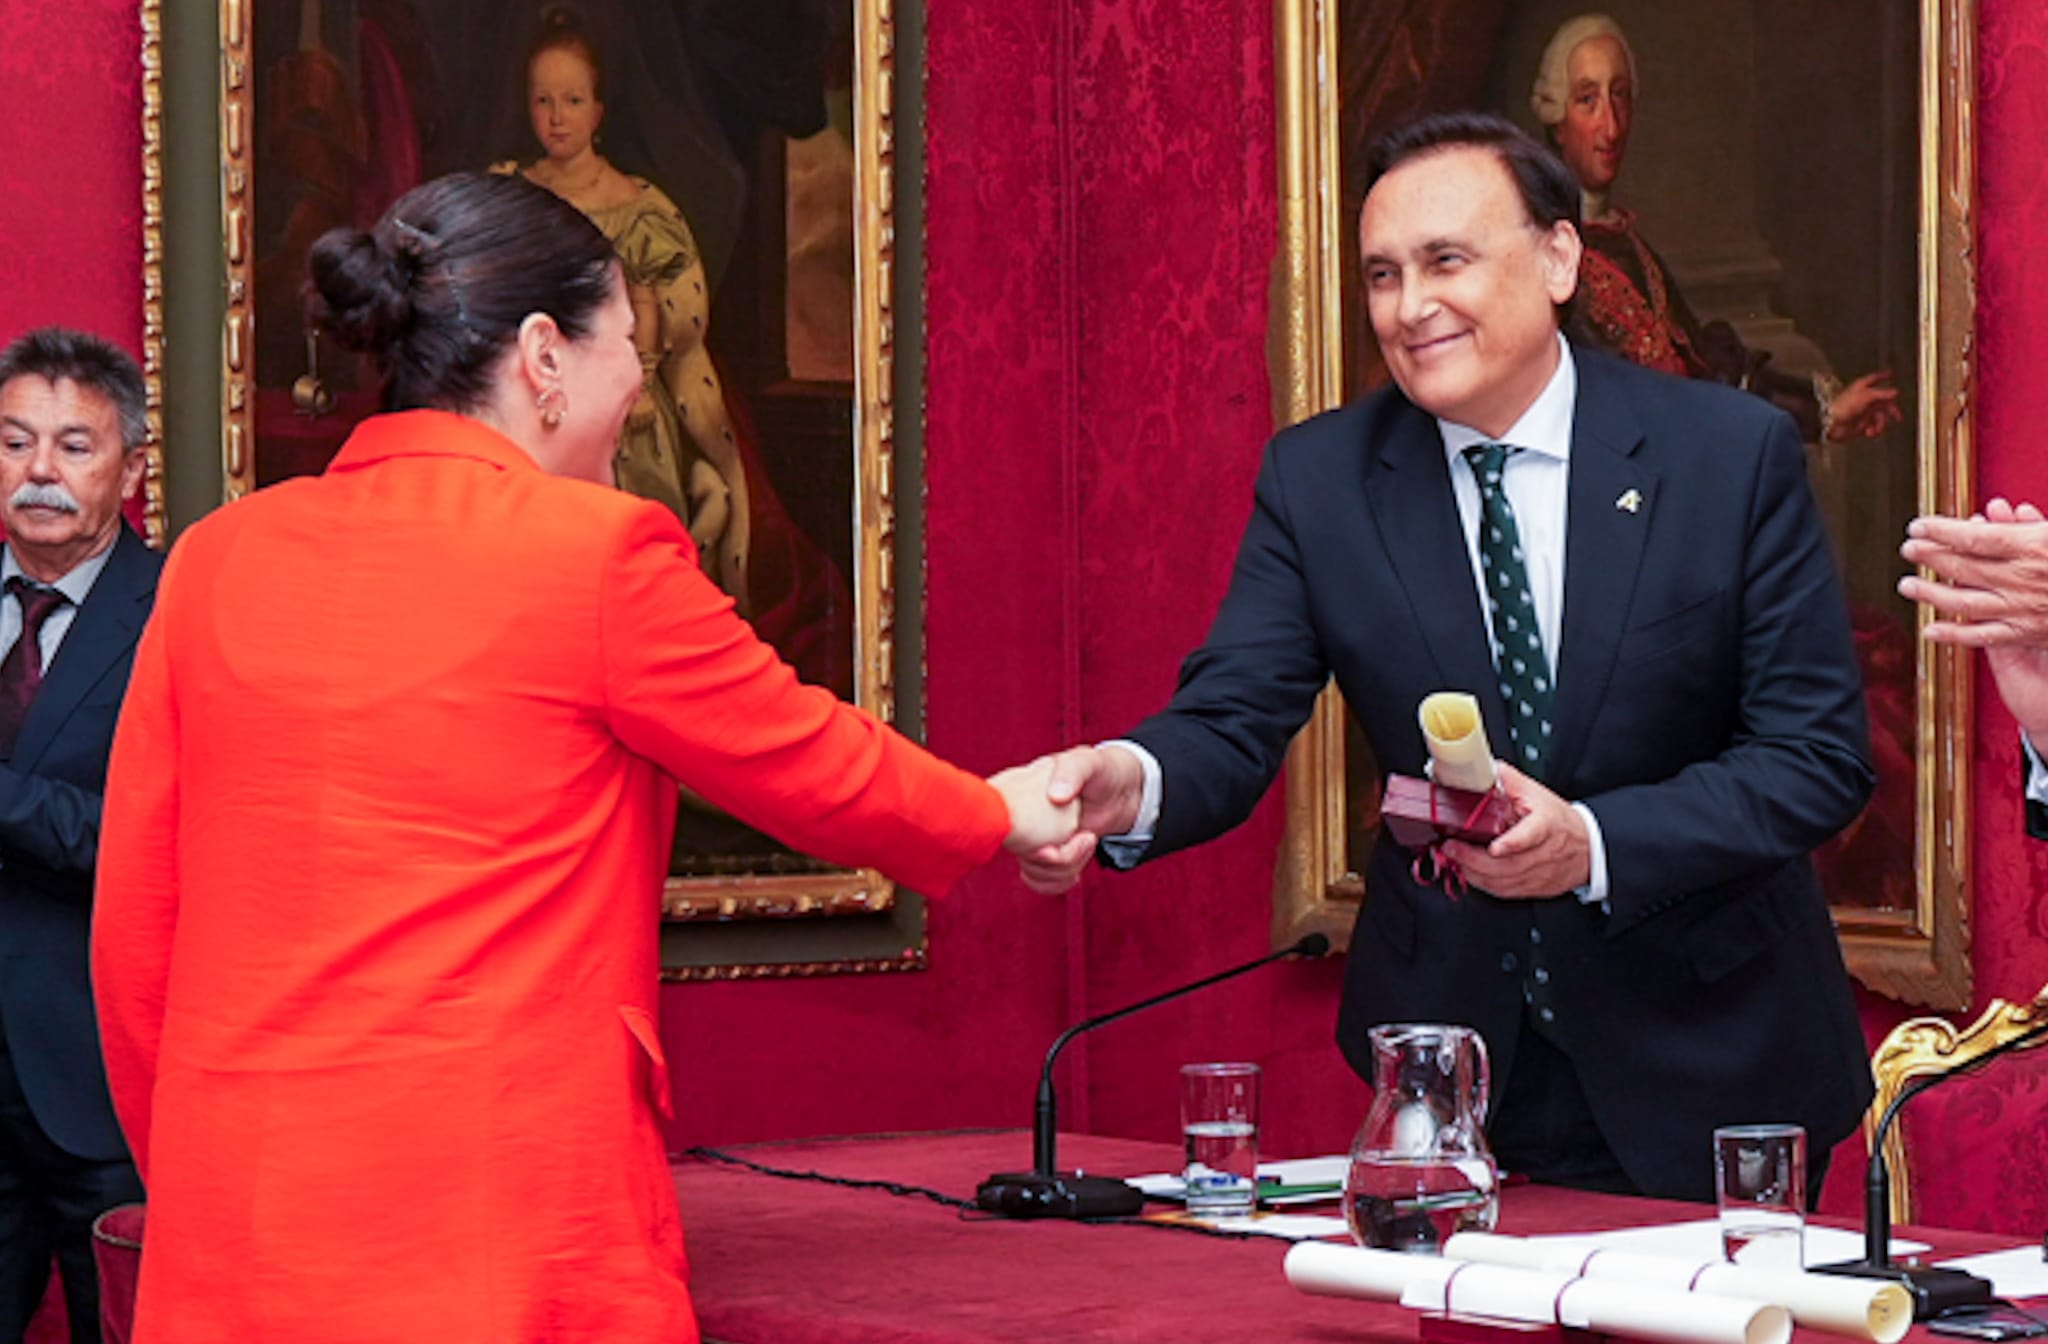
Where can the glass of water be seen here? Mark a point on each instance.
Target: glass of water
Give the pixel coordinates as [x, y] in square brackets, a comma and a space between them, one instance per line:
[1760, 1176]
[1219, 1118]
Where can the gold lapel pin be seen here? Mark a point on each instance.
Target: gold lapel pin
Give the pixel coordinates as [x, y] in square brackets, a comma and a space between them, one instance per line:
[1631, 500]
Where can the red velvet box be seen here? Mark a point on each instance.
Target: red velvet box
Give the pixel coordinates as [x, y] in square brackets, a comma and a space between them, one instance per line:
[1418, 813]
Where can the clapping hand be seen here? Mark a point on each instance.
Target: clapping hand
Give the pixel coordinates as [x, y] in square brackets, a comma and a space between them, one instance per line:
[1990, 592]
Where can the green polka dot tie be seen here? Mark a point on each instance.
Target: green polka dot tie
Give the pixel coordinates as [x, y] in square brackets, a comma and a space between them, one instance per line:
[1517, 642]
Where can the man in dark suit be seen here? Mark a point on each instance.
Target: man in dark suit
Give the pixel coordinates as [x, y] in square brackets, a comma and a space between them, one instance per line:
[1989, 591]
[1661, 649]
[77, 588]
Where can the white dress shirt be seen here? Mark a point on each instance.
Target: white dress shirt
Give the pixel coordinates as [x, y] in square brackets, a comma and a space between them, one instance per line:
[1536, 482]
[2037, 774]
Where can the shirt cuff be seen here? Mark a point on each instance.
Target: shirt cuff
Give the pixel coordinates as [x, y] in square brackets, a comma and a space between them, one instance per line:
[1124, 851]
[2037, 773]
[1595, 890]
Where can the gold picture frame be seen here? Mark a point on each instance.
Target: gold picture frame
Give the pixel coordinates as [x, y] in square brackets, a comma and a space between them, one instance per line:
[882, 929]
[155, 510]
[1917, 952]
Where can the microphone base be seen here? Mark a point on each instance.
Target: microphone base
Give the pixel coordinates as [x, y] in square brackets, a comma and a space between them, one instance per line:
[1057, 1194]
[1934, 1290]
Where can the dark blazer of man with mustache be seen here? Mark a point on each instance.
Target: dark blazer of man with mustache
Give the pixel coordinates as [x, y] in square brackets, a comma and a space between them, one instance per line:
[1708, 710]
[50, 791]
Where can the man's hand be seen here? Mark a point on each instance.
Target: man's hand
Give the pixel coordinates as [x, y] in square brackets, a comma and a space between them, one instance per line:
[1990, 592]
[1545, 853]
[1865, 408]
[1107, 783]
[1036, 821]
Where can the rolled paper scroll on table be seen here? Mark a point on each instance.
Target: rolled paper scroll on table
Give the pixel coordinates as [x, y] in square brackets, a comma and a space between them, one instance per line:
[1863, 1308]
[1660, 1312]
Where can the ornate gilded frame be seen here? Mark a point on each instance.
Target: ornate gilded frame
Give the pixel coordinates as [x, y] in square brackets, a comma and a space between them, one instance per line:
[1920, 956]
[1921, 1046]
[155, 514]
[885, 931]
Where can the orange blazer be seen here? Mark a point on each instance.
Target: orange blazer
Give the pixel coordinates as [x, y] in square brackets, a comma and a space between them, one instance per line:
[375, 944]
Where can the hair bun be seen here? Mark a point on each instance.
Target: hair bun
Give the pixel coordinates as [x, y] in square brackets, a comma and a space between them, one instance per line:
[363, 289]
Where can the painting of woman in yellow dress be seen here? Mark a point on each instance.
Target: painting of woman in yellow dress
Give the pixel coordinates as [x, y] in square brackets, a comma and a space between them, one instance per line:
[678, 446]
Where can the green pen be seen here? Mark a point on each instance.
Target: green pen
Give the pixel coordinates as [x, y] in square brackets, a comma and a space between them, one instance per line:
[1270, 1189]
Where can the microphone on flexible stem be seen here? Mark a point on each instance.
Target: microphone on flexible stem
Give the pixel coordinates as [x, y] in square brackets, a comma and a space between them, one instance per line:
[1047, 1192]
[1934, 1290]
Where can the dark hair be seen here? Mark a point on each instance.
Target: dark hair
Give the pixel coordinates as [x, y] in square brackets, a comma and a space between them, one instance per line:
[561, 30]
[1549, 191]
[57, 353]
[437, 290]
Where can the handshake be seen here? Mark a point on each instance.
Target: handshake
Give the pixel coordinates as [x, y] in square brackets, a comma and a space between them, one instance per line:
[1060, 805]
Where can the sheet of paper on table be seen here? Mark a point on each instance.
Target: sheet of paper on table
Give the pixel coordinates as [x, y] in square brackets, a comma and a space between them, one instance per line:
[1702, 1241]
[2019, 1272]
[1286, 1226]
[1310, 1180]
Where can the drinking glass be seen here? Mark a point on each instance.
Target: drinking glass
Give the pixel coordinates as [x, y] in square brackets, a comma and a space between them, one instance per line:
[1760, 1177]
[1219, 1119]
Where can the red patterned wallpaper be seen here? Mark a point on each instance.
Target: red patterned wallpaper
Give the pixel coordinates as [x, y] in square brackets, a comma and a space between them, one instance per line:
[70, 168]
[2011, 937]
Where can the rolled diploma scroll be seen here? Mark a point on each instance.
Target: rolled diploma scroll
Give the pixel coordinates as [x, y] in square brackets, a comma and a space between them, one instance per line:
[1459, 757]
[1864, 1308]
[1432, 1283]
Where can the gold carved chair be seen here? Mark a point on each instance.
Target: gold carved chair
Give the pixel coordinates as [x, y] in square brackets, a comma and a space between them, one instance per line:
[1986, 1132]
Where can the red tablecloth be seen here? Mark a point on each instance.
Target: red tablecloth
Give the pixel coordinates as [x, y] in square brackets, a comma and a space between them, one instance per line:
[777, 1261]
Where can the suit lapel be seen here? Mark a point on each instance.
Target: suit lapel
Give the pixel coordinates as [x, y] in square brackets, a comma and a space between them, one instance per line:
[1409, 491]
[105, 628]
[1606, 529]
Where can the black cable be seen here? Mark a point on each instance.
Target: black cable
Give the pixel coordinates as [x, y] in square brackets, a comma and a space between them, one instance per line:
[896, 1188]
[966, 1207]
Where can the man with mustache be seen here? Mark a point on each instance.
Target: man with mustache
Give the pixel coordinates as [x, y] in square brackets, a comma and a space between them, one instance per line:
[1629, 571]
[78, 585]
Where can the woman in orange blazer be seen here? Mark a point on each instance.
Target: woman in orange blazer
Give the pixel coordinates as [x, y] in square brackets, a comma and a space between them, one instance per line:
[388, 813]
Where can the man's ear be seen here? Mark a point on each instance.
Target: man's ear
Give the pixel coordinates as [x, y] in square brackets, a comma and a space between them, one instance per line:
[1560, 251]
[540, 350]
[133, 468]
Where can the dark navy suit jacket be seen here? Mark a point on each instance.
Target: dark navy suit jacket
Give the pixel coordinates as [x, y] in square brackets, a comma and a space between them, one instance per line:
[49, 838]
[1708, 709]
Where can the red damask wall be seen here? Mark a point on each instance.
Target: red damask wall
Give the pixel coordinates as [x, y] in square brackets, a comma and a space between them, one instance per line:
[1100, 205]
[70, 168]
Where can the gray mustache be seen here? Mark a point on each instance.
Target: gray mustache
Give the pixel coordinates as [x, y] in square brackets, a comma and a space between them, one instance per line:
[34, 496]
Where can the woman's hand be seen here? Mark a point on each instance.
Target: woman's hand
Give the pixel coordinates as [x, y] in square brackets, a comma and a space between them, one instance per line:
[1035, 820]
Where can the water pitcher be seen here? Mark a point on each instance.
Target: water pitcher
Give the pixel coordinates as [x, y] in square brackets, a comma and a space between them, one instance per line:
[1420, 1167]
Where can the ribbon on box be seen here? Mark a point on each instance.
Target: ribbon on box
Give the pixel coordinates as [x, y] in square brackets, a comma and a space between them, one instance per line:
[1461, 798]
[1431, 865]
